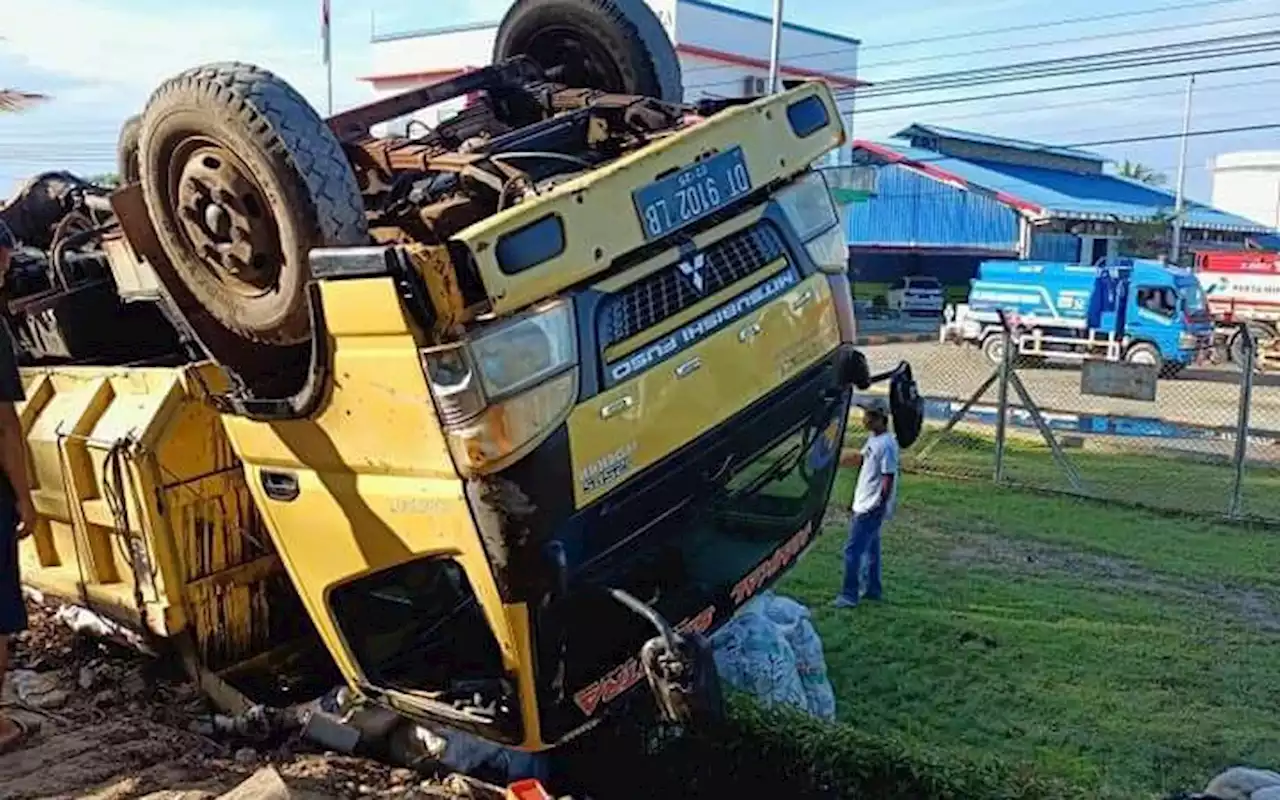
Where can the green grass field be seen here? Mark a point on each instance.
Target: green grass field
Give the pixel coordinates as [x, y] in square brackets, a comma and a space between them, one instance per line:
[1126, 653]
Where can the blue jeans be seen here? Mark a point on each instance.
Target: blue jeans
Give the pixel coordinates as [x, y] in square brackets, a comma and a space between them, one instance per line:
[864, 540]
[13, 610]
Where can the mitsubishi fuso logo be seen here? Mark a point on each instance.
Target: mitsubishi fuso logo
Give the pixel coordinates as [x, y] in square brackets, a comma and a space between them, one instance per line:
[691, 269]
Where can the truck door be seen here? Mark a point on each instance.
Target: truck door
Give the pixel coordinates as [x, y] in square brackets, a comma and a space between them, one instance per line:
[1153, 316]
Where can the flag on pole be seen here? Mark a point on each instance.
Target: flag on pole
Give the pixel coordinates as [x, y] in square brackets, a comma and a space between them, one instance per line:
[324, 27]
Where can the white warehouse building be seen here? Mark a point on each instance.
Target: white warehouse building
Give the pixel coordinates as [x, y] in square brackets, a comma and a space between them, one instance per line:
[723, 53]
[1247, 183]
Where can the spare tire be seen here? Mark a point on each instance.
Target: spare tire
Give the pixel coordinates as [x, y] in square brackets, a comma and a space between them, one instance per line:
[242, 179]
[127, 150]
[612, 45]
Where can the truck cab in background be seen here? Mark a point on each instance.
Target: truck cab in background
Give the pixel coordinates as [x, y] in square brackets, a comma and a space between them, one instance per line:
[1124, 310]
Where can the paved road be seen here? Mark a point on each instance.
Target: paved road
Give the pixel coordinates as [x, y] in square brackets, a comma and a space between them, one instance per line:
[1208, 396]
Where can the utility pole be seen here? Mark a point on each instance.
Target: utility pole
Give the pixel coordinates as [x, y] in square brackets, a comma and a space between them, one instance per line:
[327, 43]
[1175, 249]
[775, 51]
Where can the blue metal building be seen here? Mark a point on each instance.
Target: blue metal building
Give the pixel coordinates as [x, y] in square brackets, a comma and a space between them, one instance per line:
[944, 199]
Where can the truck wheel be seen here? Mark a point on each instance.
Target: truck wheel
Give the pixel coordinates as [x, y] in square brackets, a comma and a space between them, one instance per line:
[1236, 348]
[127, 150]
[613, 45]
[993, 348]
[242, 178]
[1144, 353]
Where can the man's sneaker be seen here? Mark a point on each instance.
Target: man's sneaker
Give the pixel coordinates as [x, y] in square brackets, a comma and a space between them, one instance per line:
[844, 602]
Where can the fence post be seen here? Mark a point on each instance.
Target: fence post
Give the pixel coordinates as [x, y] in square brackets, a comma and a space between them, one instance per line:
[1242, 423]
[1006, 365]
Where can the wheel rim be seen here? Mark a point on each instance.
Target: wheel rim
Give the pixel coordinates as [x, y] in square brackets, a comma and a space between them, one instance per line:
[1142, 356]
[223, 217]
[995, 351]
[586, 63]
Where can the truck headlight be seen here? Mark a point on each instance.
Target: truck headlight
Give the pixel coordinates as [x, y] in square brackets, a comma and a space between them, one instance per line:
[807, 205]
[504, 387]
[830, 251]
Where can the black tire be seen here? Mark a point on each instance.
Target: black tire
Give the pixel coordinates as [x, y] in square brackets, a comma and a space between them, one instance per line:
[1145, 353]
[1236, 346]
[127, 150]
[620, 45]
[993, 348]
[283, 157]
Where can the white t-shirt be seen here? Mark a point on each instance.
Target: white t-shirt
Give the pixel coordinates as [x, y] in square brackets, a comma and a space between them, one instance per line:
[879, 458]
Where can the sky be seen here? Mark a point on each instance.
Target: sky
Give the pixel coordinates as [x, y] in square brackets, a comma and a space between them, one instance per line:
[100, 59]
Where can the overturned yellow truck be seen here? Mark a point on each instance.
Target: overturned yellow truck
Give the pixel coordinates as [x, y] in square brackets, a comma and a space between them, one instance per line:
[496, 422]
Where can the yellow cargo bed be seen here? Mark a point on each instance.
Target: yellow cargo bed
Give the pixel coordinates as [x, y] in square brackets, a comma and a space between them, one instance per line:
[145, 515]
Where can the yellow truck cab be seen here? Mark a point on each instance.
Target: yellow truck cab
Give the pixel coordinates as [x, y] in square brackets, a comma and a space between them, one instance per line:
[657, 406]
[518, 412]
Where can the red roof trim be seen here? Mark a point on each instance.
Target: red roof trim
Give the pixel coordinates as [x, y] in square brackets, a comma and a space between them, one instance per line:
[894, 157]
[759, 63]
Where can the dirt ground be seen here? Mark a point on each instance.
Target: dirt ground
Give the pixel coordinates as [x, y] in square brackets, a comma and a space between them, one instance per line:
[109, 724]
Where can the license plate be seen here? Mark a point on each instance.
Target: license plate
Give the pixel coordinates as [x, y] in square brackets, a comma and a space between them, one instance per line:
[692, 193]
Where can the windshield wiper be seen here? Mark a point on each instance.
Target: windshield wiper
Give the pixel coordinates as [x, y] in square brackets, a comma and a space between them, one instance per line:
[785, 464]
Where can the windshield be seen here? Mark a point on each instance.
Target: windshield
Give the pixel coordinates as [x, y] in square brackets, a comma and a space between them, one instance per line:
[697, 565]
[1192, 298]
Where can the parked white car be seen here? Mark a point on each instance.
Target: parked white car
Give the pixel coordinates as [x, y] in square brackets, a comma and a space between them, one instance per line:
[916, 295]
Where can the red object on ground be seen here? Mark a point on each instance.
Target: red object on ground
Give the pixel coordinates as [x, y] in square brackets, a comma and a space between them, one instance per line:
[530, 789]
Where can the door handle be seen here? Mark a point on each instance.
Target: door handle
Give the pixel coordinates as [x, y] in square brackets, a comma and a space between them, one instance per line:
[617, 407]
[281, 486]
[689, 367]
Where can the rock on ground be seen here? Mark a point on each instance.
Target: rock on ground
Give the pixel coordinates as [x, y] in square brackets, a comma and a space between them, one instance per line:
[108, 725]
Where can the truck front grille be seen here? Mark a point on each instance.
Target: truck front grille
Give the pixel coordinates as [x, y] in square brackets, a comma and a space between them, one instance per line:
[674, 288]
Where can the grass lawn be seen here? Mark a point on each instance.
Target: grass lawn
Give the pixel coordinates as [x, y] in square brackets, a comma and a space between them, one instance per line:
[1127, 653]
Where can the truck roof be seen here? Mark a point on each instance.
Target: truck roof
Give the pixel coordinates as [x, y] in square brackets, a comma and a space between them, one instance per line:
[1059, 272]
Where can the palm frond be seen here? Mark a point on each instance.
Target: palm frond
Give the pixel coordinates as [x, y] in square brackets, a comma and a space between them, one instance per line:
[14, 100]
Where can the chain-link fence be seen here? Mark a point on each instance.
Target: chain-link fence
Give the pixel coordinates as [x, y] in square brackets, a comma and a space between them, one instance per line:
[1203, 439]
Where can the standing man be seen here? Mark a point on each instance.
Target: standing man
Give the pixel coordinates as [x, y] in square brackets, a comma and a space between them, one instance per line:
[17, 514]
[874, 498]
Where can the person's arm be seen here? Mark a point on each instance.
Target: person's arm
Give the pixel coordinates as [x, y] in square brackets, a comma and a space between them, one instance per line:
[13, 460]
[888, 473]
[13, 445]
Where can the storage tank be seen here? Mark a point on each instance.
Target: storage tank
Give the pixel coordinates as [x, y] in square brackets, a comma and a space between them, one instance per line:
[1247, 183]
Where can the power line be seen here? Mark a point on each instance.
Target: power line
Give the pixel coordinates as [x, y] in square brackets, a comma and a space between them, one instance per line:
[951, 37]
[1083, 103]
[1032, 135]
[1054, 42]
[1165, 136]
[1052, 24]
[1069, 87]
[1132, 58]
[1093, 61]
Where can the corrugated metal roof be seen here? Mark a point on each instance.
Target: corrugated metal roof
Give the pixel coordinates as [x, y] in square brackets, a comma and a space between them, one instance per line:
[996, 141]
[1052, 193]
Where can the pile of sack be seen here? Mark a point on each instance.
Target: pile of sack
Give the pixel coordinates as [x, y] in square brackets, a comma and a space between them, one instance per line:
[771, 651]
[1239, 783]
